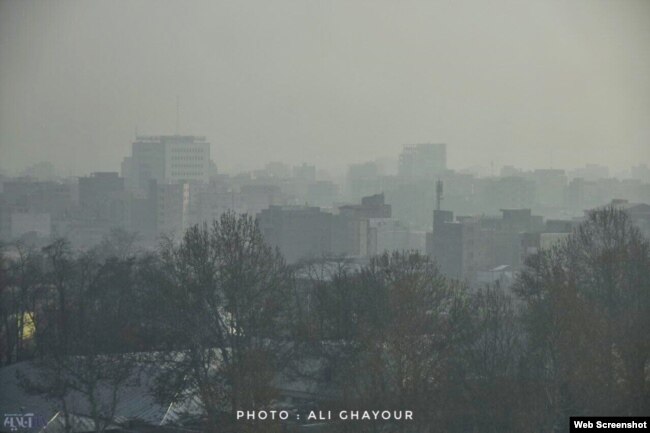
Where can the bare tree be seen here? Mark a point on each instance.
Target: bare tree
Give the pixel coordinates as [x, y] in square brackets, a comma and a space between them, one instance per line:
[493, 363]
[224, 297]
[21, 291]
[404, 330]
[588, 304]
[84, 361]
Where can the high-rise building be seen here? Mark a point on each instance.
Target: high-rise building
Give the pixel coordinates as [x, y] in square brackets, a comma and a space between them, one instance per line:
[187, 159]
[167, 159]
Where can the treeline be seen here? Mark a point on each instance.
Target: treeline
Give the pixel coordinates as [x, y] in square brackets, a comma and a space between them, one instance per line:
[229, 322]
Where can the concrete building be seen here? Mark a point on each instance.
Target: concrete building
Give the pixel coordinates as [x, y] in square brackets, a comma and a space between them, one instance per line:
[373, 206]
[300, 232]
[102, 198]
[350, 236]
[147, 163]
[24, 196]
[303, 232]
[127, 172]
[167, 159]
[389, 234]
[467, 247]
[187, 159]
[581, 194]
[165, 173]
[171, 203]
[362, 227]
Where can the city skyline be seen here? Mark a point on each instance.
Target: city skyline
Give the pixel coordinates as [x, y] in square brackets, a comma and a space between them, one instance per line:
[324, 216]
[533, 85]
[386, 166]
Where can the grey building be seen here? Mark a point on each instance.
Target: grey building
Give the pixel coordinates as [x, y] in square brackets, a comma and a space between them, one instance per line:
[167, 159]
[465, 246]
[299, 232]
[101, 197]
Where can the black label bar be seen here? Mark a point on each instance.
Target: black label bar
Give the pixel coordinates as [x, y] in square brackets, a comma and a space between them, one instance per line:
[610, 424]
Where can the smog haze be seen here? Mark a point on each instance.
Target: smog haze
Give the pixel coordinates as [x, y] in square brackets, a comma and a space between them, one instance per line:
[531, 84]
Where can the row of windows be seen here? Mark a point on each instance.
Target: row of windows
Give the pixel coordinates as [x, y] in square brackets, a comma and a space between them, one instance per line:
[189, 173]
[187, 150]
[181, 166]
[187, 158]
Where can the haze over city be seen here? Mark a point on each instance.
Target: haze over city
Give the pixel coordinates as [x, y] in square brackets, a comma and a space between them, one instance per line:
[324, 216]
[529, 84]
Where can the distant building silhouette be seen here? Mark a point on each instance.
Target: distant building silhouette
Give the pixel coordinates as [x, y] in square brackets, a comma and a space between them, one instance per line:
[422, 161]
[167, 159]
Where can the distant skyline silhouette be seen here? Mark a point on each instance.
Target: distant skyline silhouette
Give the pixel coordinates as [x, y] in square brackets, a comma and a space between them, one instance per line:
[530, 84]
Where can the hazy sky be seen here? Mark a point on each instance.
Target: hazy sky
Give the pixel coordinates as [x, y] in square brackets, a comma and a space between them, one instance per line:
[529, 83]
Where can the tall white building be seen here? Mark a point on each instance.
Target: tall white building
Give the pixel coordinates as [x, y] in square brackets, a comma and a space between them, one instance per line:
[165, 172]
[187, 159]
[167, 159]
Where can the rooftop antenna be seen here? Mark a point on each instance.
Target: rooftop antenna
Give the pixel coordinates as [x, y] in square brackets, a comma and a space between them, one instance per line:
[178, 103]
